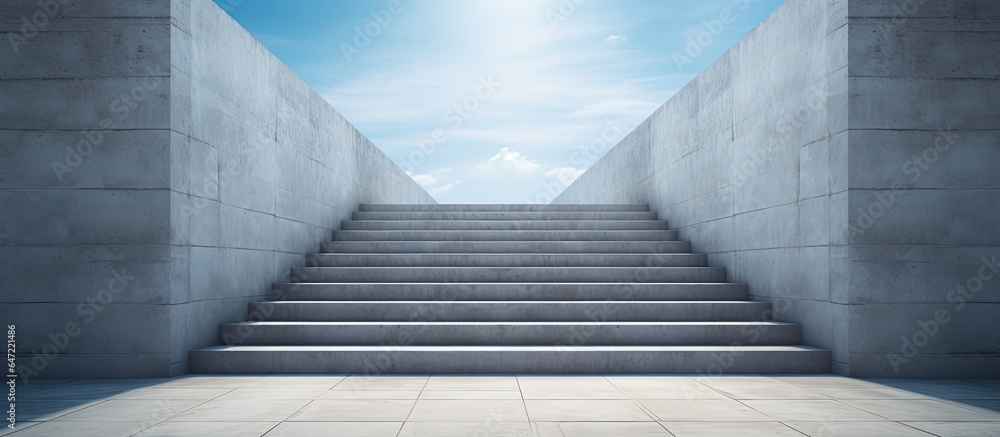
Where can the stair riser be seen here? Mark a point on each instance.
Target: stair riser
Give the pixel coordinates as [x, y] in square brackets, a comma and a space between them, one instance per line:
[503, 225]
[512, 311]
[512, 274]
[505, 236]
[504, 216]
[368, 207]
[569, 361]
[512, 260]
[602, 247]
[509, 292]
[582, 334]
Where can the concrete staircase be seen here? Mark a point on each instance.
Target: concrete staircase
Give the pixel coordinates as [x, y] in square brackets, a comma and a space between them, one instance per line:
[509, 289]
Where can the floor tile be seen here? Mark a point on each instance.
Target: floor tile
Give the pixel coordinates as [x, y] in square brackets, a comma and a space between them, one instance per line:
[274, 393]
[743, 382]
[154, 393]
[944, 388]
[472, 383]
[286, 382]
[370, 394]
[429, 410]
[30, 411]
[743, 429]
[776, 392]
[471, 394]
[19, 426]
[544, 387]
[299, 429]
[466, 429]
[825, 381]
[202, 381]
[390, 382]
[626, 382]
[84, 429]
[208, 429]
[958, 429]
[866, 392]
[703, 411]
[598, 429]
[251, 410]
[985, 405]
[856, 429]
[131, 410]
[93, 391]
[811, 410]
[585, 411]
[361, 410]
[692, 394]
[922, 410]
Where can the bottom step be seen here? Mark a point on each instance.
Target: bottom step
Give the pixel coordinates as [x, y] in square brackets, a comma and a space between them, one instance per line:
[510, 359]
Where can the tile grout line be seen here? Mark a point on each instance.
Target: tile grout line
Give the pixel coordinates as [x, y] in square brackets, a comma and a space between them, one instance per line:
[414, 406]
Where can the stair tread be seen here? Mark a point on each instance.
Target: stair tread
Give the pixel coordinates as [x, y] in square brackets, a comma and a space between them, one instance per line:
[501, 348]
[516, 323]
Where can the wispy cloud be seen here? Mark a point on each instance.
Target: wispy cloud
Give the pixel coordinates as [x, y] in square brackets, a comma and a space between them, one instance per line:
[616, 39]
[565, 175]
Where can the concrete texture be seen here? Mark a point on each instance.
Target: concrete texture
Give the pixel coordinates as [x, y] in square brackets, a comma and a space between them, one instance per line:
[840, 159]
[160, 170]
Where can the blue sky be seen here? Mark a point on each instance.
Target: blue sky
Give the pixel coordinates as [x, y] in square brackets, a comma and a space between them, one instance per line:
[497, 101]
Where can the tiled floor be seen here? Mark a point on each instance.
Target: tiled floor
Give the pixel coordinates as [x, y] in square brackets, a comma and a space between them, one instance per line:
[507, 405]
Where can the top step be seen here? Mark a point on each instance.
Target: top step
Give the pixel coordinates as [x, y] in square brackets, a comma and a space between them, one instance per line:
[501, 208]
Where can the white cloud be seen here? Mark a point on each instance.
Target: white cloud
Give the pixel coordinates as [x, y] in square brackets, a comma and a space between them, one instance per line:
[424, 180]
[445, 187]
[616, 39]
[565, 175]
[509, 161]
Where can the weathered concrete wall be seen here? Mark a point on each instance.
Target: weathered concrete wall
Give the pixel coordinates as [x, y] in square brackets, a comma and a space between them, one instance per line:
[201, 170]
[766, 158]
[924, 181]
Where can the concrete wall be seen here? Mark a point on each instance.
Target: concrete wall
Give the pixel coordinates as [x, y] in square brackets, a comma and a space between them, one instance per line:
[203, 170]
[924, 181]
[765, 160]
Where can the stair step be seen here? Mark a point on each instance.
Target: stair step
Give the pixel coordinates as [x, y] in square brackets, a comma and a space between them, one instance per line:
[507, 260]
[509, 274]
[369, 207]
[505, 235]
[506, 246]
[503, 225]
[514, 311]
[508, 289]
[510, 333]
[555, 215]
[374, 360]
[500, 291]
